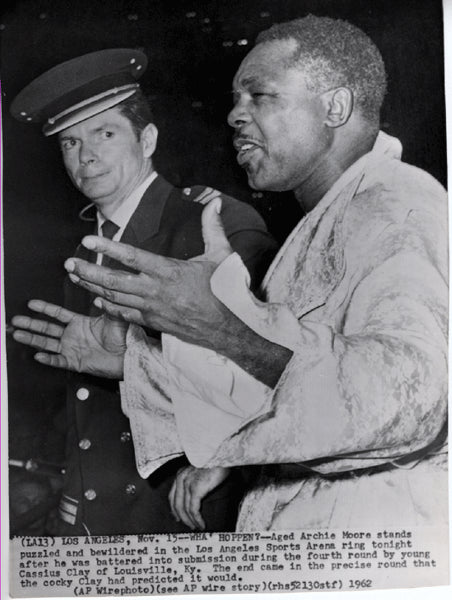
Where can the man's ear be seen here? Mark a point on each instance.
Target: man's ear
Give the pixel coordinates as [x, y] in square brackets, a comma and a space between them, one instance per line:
[339, 106]
[149, 139]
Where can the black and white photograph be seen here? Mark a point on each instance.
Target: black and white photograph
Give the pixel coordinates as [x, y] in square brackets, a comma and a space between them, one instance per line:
[225, 288]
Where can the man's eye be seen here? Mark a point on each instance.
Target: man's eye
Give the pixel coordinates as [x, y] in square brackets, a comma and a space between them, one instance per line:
[258, 96]
[68, 144]
[107, 134]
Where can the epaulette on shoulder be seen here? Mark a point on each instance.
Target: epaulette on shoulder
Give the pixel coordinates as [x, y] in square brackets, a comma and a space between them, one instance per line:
[200, 194]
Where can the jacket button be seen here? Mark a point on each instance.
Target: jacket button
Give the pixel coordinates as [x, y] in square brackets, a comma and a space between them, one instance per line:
[131, 489]
[82, 394]
[186, 191]
[84, 444]
[125, 436]
[90, 494]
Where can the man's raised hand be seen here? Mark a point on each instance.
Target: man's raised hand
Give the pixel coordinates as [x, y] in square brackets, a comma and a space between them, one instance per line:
[169, 295]
[94, 345]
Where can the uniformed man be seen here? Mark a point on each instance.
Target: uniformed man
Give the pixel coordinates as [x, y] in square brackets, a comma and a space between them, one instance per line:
[107, 136]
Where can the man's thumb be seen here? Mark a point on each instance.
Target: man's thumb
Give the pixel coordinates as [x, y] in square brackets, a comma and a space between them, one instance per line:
[217, 247]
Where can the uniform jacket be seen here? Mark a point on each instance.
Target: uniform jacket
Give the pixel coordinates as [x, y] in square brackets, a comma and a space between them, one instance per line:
[353, 434]
[103, 493]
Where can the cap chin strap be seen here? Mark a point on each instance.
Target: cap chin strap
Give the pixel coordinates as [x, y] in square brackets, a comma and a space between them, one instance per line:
[88, 108]
[85, 209]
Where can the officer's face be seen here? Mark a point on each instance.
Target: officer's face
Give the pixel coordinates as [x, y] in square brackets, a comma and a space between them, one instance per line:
[279, 127]
[104, 159]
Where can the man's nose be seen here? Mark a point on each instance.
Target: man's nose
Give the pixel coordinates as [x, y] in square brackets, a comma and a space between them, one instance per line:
[87, 154]
[238, 115]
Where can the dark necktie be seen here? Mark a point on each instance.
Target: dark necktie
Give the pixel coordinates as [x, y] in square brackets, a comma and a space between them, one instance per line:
[109, 229]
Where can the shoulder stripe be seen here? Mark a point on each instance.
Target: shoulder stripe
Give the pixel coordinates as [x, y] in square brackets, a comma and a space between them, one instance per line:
[205, 192]
[206, 198]
[207, 195]
[64, 516]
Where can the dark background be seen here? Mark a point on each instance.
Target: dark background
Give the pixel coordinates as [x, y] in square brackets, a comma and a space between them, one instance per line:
[194, 48]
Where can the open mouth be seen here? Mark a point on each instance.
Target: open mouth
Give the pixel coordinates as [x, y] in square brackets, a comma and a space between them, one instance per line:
[245, 149]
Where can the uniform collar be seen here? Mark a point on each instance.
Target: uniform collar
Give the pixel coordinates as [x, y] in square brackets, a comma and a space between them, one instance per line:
[123, 213]
[145, 221]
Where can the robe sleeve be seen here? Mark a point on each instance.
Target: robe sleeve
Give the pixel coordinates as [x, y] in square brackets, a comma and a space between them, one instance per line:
[145, 401]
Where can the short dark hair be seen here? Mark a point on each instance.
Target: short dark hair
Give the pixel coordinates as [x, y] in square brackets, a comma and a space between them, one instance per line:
[137, 110]
[335, 53]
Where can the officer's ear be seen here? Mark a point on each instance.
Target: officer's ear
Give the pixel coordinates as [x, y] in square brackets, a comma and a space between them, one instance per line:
[149, 139]
[339, 106]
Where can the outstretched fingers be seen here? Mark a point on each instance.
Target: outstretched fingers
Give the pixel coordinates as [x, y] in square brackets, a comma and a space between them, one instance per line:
[52, 310]
[49, 344]
[52, 360]
[104, 281]
[43, 327]
[123, 299]
[132, 257]
[37, 326]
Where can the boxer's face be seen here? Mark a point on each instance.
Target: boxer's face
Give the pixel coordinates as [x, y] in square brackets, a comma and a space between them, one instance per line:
[279, 127]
